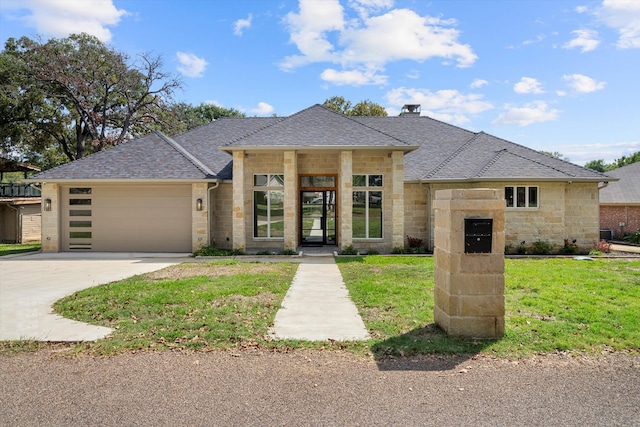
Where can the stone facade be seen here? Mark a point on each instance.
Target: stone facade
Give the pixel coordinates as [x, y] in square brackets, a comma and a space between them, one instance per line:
[51, 219]
[199, 218]
[469, 290]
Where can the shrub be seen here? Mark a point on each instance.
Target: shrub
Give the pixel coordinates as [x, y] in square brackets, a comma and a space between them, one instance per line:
[569, 247]
[349, 250]
[289, 251]
[213, 251]
[521, 249]
[603, 246]
[372, 252]
[633, 237]
[540, 247]
[414, 242]
[398, 250]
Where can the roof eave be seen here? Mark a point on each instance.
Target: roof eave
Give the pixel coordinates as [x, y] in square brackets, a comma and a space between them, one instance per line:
[405, 148]
[118, 180]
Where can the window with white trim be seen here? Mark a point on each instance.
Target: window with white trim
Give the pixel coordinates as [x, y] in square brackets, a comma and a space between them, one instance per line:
[268, 206]
[521, 196]
[366, 211]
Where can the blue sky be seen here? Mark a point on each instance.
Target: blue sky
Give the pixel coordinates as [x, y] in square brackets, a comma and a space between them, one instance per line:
[549, 74]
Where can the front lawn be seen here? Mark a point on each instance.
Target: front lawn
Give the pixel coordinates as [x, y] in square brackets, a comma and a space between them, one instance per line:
[551, 305]
[17, 248]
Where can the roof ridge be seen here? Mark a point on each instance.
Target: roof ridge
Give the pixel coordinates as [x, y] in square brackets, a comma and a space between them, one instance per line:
[233, 141]
[355, 119]
[491, 162]
[452, 156]
[186, 154]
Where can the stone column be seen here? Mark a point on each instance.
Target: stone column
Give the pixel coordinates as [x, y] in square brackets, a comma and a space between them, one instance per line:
[50, 219]
[397, 199]
[345, 190]
[469, 290]
[238, 221]
[290, 200]
[199, 218]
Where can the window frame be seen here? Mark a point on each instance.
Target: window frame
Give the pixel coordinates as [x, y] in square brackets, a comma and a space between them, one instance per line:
[274, 184]
[370, 186]
[527, 201]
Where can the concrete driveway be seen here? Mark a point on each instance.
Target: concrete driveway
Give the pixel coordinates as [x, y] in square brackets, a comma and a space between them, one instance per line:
[31, 283]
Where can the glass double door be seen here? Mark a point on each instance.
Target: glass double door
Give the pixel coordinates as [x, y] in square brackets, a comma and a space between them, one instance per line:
[318, 218]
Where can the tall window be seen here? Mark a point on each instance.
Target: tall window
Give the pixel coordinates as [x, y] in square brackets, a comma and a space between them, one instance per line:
[268, 206]
[521, 197]
[367, 207]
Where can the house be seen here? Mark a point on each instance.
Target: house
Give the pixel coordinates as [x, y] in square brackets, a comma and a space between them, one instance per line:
[620, 203]
[316, 177]
[19, 206]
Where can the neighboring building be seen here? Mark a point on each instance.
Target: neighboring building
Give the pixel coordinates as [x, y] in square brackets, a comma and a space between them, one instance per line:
[316, 177]
[19, 206]
[620, 202]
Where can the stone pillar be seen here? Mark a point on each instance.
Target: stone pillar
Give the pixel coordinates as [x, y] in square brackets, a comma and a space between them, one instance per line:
[50, 219]
[397, 199]
[238, 221]
[345, 190]
[199, 218]
[469, 289]
[290, 200]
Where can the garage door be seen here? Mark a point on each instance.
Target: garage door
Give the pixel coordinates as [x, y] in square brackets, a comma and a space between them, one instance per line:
[126, 218]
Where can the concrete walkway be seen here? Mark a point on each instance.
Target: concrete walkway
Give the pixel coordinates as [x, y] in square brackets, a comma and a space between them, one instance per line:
[317, 306]
[31, 283]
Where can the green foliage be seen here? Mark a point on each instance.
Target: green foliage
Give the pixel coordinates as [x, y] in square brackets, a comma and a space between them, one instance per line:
[289, 251]
[398, 250]
[569, 248]
[213, 251]
[182, 117]
[540, 247]
[373, 252]
[349, 250]
[73, 96]
[601, 166]
[362, 108]
[633, 237]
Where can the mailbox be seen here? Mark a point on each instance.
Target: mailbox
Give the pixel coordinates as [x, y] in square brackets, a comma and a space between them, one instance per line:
[478, 233]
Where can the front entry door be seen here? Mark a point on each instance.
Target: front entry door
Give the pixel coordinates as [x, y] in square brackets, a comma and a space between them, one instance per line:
[318, 217]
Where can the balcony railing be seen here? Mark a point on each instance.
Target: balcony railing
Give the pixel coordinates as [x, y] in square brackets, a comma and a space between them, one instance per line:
[18, 190]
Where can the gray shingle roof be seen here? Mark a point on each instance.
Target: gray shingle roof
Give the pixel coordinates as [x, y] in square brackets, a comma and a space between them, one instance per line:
[444, 152]
[154, 156]
[625, 191]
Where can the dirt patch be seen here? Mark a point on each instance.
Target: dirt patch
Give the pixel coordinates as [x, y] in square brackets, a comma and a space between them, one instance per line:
[183, 271]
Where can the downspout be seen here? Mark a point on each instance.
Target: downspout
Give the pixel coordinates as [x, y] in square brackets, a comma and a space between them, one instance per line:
[216, 185]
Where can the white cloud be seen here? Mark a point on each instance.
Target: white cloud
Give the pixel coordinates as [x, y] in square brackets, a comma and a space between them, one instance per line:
[447, 105]
[583, 84]
[353, 77]
[477, 83]
[581, 9]
[530, 113]
[528, 85]
[586, 40]
[413, 74]
[322, 32]
[623, 16]
[190, 64]
[241, 24]
[608, 152]
[64, 17]
[263, 108]
[561, 93]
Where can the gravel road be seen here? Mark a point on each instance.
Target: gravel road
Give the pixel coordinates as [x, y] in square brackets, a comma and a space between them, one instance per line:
[316, 388]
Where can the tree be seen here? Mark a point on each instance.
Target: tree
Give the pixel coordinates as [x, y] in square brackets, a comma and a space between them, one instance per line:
[76, 95]
[362, 108]
[600, 166]
[556, 154]
[181, 117]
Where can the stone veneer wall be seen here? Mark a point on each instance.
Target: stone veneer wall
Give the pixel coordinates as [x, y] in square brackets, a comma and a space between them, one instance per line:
[51, 219]
[567, 211]
[469, 287]
[199, 219]
[612, 215]
[221, 234]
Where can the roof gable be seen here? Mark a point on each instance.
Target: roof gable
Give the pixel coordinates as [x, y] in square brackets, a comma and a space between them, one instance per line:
[317, 126]
[627, 189]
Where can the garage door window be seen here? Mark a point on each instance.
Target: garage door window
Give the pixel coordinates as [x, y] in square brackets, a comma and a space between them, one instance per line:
[80, 232]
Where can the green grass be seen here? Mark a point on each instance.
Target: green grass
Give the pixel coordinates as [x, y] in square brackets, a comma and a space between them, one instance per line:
[551, 305]
[17, 248]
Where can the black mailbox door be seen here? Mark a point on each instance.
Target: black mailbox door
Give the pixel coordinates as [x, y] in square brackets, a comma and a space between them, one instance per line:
[478, 234]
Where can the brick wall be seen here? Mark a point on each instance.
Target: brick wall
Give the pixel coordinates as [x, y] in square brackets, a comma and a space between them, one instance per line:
[612, 215]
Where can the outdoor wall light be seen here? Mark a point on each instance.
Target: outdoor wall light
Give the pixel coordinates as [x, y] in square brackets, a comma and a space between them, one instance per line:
[47, 205]
[199, 204]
